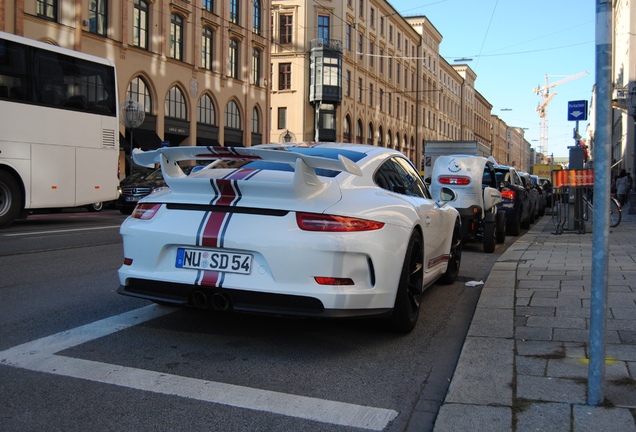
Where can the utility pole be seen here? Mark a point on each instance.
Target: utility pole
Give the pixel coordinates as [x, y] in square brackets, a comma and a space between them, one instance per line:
[600, 230]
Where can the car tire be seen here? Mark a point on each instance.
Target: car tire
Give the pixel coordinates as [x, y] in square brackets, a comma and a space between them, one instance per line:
[514, 229]
[406, 309]
[501, 227]
[490, 234]
[10, 199]
[95, 207]
[455, 257]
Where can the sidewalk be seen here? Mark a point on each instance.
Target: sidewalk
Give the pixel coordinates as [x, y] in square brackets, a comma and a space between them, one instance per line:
[524, 363]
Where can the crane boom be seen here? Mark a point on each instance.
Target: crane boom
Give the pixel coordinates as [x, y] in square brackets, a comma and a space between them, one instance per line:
[542, 108]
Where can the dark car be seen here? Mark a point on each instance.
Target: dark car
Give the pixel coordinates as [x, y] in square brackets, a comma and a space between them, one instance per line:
[136, 186]
[543, 202]
[515, 200]
[546, 185]
[533, 193]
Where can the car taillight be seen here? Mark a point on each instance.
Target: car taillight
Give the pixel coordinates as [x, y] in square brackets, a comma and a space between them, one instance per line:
[329, 223]
[454, 180]
[508, 194]
[333, 281]
[145, 211]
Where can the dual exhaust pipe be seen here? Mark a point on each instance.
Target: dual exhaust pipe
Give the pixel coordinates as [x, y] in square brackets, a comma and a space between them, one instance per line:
[217, 300]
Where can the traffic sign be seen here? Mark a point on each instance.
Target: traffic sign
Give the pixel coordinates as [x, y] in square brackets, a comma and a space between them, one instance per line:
[577, 110]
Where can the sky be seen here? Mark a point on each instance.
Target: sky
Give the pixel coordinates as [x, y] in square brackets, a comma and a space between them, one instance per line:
[513, 45]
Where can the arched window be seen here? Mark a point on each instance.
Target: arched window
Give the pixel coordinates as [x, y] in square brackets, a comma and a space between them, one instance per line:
[389, 139]
[176, 37]
[370, 133]
[346, 129]
[206, 113]
[257, 17]
[207, 48]
[380, 137]
[232, 116]
[359, 131]
[175, 104]
[138, 91]
[256, 121]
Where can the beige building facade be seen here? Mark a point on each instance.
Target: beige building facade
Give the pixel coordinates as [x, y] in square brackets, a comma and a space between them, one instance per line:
[357, 71]
[198, 68]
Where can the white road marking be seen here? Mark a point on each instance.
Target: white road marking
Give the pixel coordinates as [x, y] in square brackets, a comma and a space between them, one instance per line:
[39, 355]
[59, 231]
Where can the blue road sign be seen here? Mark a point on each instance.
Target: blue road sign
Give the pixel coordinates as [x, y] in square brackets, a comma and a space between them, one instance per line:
[577, 110]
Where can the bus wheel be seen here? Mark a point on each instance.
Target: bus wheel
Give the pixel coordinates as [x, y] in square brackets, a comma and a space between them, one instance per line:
[10, 199]
[95, 207]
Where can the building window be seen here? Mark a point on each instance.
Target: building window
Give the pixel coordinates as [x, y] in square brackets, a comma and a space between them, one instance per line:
[256, 67]
[257, 17]
[323, 27]
[233, 61]
[138, 91]
[208, 5]
[140, 24]
[372, 17]
[382, 25]
[348, 84]
[371, 53]
[381, 61]
[47, 9]
[370, 133]
[232, 116]
[286, 27]
[361, 9]
[207, 48]
[284, 76]
[360, 45]
[346, 129]
[206, 113]
[175, 104]
[370, 94]
[282, 118]
[98, 17]
[348, 37]
[359, 89]
[390, 68]
[390, 33]
[256, 121]
[234, 11]
[397, 107]
[176, 37]
[381, 97]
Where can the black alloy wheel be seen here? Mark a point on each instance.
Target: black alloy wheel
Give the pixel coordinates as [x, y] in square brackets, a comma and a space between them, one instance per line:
[410, 289]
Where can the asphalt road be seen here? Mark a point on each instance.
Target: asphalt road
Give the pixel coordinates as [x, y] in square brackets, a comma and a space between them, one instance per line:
[76, 356]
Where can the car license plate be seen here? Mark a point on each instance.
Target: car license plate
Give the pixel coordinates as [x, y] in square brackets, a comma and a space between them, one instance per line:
[132, 199]
[213, 259]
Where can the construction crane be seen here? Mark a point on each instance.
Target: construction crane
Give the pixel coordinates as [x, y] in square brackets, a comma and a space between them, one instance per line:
[542, 108]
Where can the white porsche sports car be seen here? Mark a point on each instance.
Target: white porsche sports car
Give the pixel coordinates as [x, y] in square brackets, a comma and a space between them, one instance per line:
[316, 230]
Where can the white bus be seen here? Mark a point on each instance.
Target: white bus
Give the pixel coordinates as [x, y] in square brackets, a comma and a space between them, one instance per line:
[59, 128]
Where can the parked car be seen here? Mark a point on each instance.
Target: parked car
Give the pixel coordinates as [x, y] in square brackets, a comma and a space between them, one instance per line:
[546, 185]
[136, 186]
[533, 193]
[318, 230]
[515, 199]
[543, 203]
[476, 198]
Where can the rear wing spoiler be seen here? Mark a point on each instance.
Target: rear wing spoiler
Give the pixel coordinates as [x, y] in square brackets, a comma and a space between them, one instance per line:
[169, 156]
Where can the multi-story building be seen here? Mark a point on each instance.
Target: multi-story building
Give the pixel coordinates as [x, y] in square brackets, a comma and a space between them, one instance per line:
[196, 67]
[357, 71]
